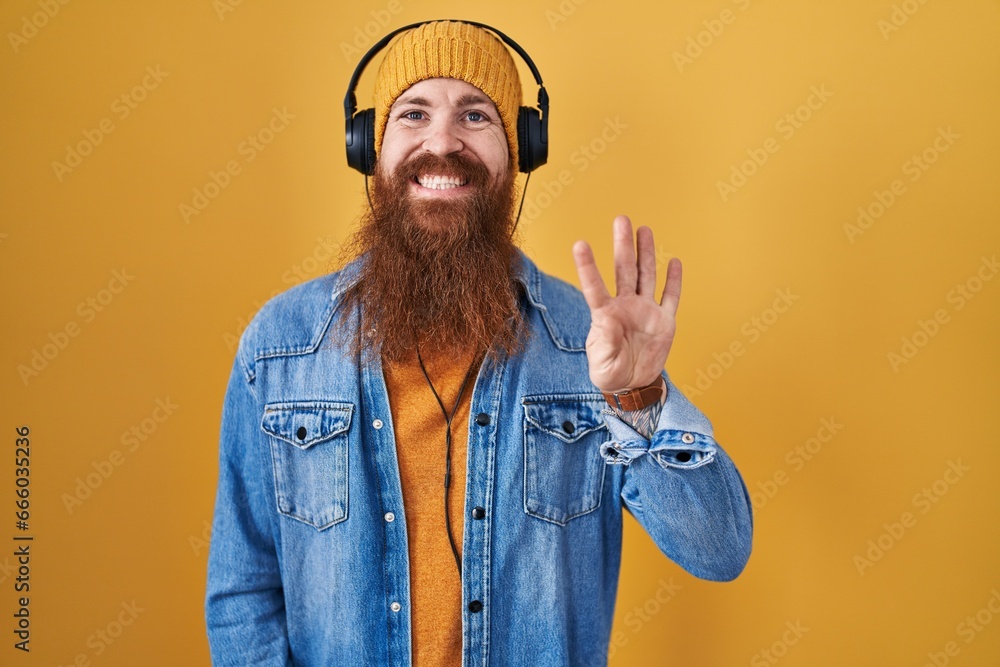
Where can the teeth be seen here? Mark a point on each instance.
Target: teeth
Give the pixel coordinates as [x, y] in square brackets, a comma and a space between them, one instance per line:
[440, 182]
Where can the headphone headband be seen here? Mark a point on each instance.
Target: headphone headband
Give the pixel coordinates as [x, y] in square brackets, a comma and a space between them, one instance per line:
[532, 128]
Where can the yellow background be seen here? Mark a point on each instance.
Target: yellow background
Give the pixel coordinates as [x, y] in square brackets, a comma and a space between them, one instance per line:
[679, 129]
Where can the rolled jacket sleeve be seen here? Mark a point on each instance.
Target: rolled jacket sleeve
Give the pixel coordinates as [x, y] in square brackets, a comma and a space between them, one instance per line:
[683, 489]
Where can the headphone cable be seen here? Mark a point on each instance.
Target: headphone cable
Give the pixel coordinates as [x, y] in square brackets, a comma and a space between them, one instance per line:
[523, 193]
[447, 437]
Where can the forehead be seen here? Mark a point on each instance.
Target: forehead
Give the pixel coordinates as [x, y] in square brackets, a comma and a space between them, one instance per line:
[441, 91]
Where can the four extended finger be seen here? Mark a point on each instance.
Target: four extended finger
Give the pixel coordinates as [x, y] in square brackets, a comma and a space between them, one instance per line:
[647, 261]
[672, 288]
[591, 283]
[625, 267]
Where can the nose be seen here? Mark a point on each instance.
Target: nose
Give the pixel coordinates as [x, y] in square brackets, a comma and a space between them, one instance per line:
[442, 138]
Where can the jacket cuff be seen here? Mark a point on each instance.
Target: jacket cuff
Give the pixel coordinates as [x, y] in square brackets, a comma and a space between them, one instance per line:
[683, 437]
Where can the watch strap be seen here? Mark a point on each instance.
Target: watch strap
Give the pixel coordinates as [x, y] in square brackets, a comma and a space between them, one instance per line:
[635, 399]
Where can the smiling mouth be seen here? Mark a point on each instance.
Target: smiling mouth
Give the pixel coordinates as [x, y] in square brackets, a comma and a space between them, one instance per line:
[436, 182]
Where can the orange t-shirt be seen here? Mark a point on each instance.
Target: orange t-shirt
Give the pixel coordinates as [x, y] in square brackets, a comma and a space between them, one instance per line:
[419, 427]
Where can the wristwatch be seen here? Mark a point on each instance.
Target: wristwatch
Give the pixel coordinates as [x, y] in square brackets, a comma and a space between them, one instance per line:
[635, 399]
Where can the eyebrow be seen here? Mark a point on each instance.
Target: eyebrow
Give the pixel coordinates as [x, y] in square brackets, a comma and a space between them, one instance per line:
[469, 99]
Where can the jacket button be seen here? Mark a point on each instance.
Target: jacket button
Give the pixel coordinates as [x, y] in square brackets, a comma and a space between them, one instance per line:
[688, 438]
[475, 606]
[390, 517]
[683, 457]
[302, 432]
[395, 606]
[568, 426]
[483, 419]
[478, 513]
[377, 424]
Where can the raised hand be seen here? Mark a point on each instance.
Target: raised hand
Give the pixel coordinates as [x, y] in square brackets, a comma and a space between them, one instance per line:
[630, 333]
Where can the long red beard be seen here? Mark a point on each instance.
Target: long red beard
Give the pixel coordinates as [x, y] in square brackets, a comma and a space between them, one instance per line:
[437, 271]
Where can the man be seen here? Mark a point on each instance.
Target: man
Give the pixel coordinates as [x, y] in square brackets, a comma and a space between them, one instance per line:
[417, 463]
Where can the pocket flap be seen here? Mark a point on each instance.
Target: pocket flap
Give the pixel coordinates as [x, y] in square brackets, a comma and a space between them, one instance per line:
[307, 423]
[567, 417]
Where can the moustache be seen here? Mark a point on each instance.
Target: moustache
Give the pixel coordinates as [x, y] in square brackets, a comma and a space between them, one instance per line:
[453, 165]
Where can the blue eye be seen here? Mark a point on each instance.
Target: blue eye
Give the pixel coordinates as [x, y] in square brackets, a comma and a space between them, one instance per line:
[408, 115]
[479, 117]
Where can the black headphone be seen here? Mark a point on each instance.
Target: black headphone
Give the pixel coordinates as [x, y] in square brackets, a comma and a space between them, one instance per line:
[532, 127]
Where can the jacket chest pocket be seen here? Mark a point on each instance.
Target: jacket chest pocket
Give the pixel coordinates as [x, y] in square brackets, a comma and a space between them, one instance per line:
[563, 468]
[309, 445]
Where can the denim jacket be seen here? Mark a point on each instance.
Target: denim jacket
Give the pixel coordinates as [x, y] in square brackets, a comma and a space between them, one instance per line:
[308, 562]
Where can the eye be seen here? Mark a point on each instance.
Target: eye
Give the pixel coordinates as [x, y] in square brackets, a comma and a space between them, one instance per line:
[412, 115]
[476, 116]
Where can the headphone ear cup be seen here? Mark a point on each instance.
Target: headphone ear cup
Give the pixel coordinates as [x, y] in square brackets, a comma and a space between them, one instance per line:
[523, 151]
[361, 141]
[352, 144]
[369, 141]
[532, 152]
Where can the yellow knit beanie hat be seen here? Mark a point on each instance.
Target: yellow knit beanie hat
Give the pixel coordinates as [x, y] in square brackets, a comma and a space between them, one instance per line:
[455, 50]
